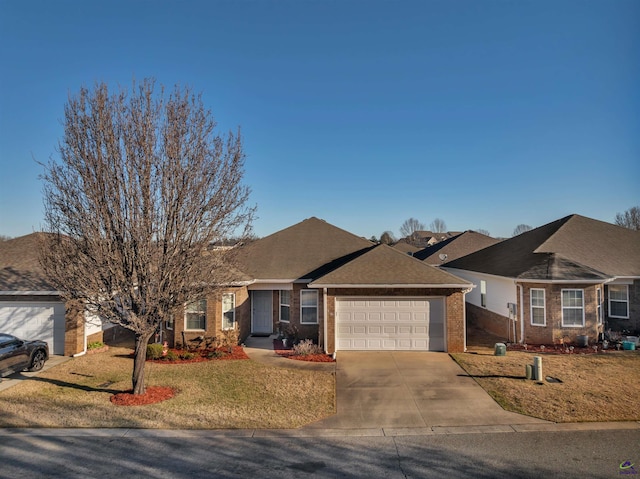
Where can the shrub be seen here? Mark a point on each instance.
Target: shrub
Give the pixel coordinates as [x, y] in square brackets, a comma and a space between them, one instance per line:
[154, 351]
[171, 356]
[306, 347]
[226, 339]
[96, 345]
[187, 355]
[216, 353]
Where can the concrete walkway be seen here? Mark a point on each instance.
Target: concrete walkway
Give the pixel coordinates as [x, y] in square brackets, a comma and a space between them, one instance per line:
[10, 381]
[261, 349]
[399, 389]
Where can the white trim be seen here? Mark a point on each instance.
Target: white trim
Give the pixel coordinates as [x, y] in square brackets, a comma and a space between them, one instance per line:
[324, 315]
[562, 308]
[186, 322]
[394, 285]
[302, 306]
[271, 285]
[544, 307]
[233, 295]
[618, 301]
[281, 304]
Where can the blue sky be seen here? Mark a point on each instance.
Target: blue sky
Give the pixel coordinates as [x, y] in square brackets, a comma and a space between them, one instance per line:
[486, 114]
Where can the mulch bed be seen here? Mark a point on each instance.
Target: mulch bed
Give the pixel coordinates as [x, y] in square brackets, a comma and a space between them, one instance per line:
[152, 395]
[289, 353]
[201, 355]
[556, 349]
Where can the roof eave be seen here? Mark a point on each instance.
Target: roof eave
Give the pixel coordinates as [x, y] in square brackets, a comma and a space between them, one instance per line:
[392, 285]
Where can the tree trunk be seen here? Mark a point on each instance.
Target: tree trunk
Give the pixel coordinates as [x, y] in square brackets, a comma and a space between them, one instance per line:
[139, 359]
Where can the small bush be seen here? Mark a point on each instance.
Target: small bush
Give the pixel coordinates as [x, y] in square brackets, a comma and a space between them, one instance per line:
[216, 353]
[306, 347]
[96, 345]
[154, 351]
[187, 355]
[226, 339]
[171, 356]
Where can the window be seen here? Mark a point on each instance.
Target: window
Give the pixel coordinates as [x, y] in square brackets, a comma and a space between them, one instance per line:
[228, 311]
[483, 293]
[308, 306]
[196, 315]
[285, 303]
[538, 317]
[599, 299]
[618, 300]
[572, 307]
[169, 322]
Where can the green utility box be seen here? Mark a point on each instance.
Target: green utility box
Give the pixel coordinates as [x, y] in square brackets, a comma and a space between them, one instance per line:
[501, 349]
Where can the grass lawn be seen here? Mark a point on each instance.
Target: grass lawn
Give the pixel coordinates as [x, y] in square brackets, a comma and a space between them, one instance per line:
[595, 387]
[211, 395]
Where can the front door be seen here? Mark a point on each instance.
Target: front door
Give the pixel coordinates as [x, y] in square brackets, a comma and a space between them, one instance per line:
[261, 312]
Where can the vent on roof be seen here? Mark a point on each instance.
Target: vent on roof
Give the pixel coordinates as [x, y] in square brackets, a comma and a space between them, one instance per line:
[442, 256]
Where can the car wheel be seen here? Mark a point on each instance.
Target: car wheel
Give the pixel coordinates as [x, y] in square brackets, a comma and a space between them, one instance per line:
[37, 361]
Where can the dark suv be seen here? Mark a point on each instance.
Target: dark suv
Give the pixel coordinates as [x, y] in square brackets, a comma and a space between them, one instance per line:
[17, 355]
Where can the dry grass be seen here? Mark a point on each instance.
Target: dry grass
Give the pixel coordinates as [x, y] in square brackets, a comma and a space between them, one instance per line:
[595, 387]
[215, 394]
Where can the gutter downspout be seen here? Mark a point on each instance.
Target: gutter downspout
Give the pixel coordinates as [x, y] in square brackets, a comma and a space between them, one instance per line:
[324, 336]
[521, 290]
[84, 334]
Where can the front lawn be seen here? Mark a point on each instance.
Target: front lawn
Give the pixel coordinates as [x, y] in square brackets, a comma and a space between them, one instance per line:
[211, 395]
[594, 387]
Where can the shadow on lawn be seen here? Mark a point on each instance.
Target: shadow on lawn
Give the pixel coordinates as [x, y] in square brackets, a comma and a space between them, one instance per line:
[504, 376]
[64, 384]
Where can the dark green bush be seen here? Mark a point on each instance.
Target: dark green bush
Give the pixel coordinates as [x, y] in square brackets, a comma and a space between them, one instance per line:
[154, 351]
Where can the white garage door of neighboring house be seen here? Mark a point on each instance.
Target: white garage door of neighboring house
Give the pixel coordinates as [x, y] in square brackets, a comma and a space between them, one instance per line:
[412, 324]
[32, 320]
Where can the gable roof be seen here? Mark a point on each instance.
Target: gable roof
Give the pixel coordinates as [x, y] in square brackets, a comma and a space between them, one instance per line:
[383, 265]
[455, 247]
[20, 268]
[571, 248]
[305, 250]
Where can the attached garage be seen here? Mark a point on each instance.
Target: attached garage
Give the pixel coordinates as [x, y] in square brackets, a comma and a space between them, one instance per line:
[35, 320]
[390, 323]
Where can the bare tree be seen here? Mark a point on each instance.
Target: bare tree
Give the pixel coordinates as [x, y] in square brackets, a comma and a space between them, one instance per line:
[410, 226]
[483, 232]
[143, 186]
[438, 226]
[629, 219]
[387, 238]
[521, 228]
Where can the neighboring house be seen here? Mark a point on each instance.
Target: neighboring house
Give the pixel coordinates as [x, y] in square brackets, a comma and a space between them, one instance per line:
[423, 238]
[455, 247]
[324, 283]
[573, 277]
[405, 247]
[30, 308]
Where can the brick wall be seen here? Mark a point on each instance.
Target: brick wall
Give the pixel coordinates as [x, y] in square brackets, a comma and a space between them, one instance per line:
[74, 328]
[632, 324]
[553, 332]
[213, 322]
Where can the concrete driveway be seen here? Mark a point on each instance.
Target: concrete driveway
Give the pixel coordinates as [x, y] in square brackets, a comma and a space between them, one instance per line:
[410, 390]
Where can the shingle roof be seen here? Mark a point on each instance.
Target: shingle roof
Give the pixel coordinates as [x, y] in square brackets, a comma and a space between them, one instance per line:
[383, 265]
[20, 268]
[305, 250]
[571, 248]
[455, 247]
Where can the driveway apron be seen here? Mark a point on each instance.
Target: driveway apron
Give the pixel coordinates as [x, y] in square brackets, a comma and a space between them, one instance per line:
[410, 389]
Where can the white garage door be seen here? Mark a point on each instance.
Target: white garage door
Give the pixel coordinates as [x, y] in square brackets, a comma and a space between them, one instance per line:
[413, 324]
[31, 320]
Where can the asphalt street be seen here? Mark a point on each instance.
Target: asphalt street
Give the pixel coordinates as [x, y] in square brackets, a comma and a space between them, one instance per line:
[209, 454]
